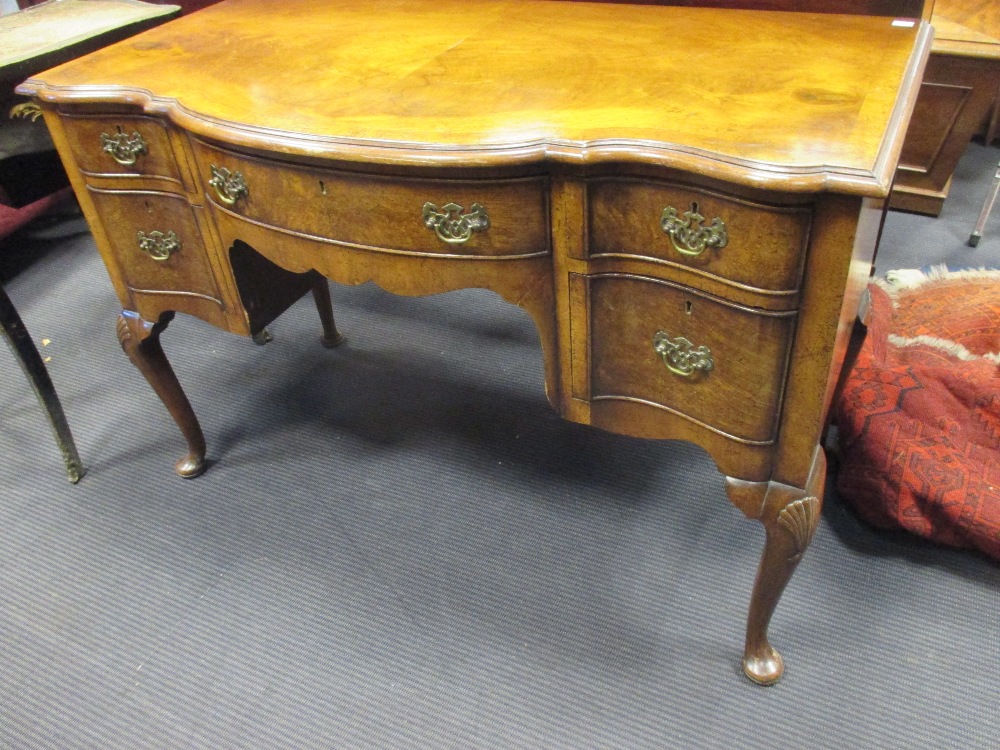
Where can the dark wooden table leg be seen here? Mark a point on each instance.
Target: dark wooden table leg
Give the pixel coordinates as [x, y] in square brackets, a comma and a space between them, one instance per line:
[789, 517]
[859, 332]
[321, 294]
[141, 341]
[20, 342]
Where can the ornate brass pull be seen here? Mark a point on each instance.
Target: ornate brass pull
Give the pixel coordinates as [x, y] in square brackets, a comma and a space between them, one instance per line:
[229, 186]
[26, 110]
[690, 238]
[454, 227]
[681, 356]
[159, 246]
[124, 148]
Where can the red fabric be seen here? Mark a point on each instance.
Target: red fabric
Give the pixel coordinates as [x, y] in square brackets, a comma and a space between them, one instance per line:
[12, 219]
[919, 428]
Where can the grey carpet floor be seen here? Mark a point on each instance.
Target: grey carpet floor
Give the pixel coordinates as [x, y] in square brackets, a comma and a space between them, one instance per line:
[399, 545]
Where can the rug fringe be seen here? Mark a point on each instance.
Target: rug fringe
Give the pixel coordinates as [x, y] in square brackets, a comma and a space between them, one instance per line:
[951, 348]
[908, 279]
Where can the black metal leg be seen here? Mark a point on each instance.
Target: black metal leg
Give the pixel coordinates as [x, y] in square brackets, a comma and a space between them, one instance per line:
[31, 362]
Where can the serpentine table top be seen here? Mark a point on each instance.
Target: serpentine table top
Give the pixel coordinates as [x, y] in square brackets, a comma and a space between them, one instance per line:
[772, 99]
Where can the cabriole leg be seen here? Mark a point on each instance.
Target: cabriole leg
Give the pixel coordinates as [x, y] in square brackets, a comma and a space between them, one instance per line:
[321, 294]
[140, 340]
[789, 531]
[789, 515]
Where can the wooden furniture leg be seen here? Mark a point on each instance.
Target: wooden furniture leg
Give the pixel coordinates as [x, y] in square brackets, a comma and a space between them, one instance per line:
[789, 516]
[859, 332]
[321, 294]
[141, 341]
[20, 342]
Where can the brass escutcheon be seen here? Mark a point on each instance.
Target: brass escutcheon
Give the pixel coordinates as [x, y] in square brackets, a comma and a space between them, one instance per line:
[451, 225]
[229, 186]
[122, 147]
[687, 234]
[681, 356]
[157, 245]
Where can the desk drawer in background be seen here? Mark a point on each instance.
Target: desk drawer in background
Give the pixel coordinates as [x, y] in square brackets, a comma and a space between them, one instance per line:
[156, 242]
[764, 245]
[494, 218]
[719, 364]
[125, 146]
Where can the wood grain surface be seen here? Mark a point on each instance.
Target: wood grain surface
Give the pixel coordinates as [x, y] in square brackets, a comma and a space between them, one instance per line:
[765, 98]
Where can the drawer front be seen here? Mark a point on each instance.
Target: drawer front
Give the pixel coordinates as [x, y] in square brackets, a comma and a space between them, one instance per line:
[155, 239]
[749, 244]
[497, 218]
[129, 146]
[718, 364]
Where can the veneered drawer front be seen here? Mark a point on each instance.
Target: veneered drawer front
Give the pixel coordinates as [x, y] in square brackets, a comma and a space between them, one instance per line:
[128, 146]
[168, 228]
[764, 244]
[728, 361]
[389, 213]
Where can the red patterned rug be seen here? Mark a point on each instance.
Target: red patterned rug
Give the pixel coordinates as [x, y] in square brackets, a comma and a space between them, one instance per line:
[919, 418]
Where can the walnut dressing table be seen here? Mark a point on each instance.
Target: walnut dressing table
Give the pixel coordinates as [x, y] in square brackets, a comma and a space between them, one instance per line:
[685, 200]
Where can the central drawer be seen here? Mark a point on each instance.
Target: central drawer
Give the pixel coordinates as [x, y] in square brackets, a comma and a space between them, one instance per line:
[494, 218]
[718, 364]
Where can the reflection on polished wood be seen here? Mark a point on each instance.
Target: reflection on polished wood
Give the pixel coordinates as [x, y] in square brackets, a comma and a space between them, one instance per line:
[534, 149]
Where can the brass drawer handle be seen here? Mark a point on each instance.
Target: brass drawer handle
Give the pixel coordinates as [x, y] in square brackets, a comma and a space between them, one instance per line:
[690, 238]
[681, 356]
[123, 148]
[452, 226]
[229, 186]
[159, 246]
[26, 110]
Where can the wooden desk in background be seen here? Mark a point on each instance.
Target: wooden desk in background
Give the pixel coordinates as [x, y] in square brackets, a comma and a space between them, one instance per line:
[960, 97]
[686, 201]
